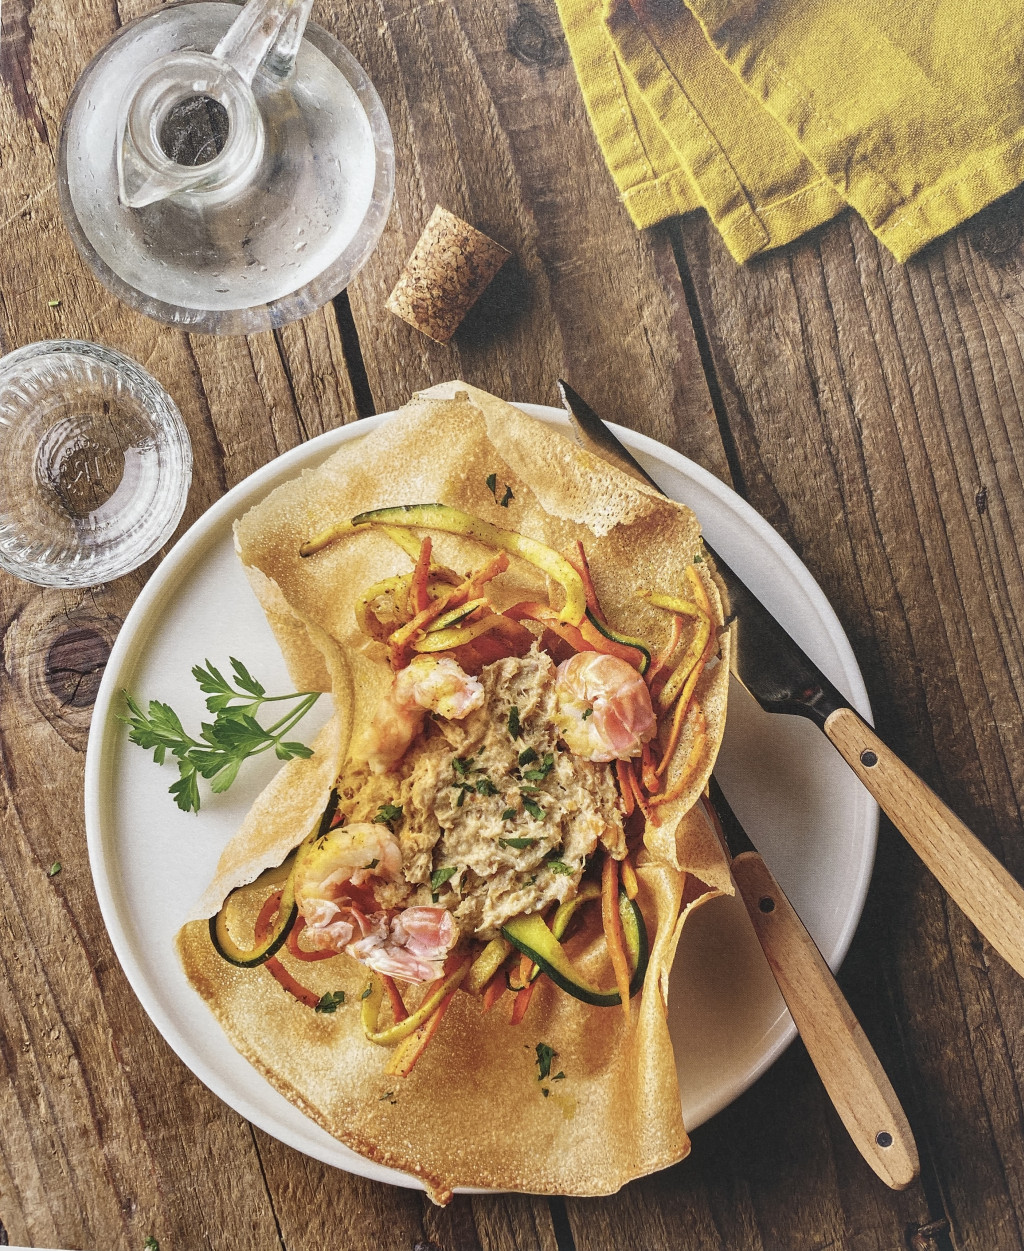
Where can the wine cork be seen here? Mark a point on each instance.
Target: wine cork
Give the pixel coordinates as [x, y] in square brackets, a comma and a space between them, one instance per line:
[447, 272]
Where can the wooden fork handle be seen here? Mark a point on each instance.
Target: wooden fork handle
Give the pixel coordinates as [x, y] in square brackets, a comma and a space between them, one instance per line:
[966, 869]
[847, 1065]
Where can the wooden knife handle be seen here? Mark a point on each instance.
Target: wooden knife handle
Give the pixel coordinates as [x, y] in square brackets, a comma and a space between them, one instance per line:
[967, 870]
[847, 1065]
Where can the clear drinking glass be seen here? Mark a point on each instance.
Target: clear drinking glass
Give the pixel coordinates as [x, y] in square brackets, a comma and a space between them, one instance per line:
[225, 169]
[95, 462]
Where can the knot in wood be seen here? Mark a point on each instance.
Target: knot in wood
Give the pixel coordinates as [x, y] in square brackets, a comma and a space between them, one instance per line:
[996, 231]
[531, 40]
[74, 666]
[927, 1237]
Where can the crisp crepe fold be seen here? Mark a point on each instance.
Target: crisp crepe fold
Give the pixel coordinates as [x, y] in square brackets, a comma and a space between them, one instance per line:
[473, 1111]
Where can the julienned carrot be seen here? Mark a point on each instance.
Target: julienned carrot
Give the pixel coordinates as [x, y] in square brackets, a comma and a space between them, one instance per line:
[625, 776]
[274, 966]
[613, 926]
[494, 990]
[398, 1009]
[648, 772]
[665, 655]
[522, 1002]
[680, 675]
[683, 706]
[693, 760]
[642, 800]
[408, 1051]
[629, 880]
[398, 643]
[419, 595]
[583, 568]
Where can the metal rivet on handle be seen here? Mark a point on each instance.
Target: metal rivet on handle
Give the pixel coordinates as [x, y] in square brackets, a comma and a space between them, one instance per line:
[884, 1139]
[766, 904]
[868, 758]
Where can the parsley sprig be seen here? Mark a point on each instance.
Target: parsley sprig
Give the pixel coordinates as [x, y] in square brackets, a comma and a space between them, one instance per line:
[224, 743]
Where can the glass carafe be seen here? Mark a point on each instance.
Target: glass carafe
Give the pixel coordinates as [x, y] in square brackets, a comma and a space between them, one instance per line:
[225, 169]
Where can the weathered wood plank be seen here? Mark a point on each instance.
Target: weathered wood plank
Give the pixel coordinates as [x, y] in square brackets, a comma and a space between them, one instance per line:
[876, 418]
[488, 121]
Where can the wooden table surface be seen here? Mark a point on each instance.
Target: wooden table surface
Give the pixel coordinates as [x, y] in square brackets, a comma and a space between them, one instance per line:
[870, 411]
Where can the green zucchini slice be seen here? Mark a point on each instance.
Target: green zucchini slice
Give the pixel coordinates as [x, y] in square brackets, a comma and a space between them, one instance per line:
[531, 935]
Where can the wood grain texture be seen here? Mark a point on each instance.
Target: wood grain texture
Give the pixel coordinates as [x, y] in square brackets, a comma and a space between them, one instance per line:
[874, 414]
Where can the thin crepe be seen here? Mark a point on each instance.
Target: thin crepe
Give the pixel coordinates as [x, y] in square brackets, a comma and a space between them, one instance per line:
[474, 1111]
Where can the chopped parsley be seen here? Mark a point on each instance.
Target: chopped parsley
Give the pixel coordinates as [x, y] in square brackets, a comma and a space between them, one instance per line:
[514, 728]
[387, 813]
[559, 1076]
[150, 1244]
[542, 770]
[462, 767]
[508, 815]
[699, 558]
[373, 864]
[440, 876]
[544, 1091]
[587, 712]
[492, 486]
[331, 1001]
[559, 866]
[388, 1095]
[492, 483]
[527, 757]
[507, 498]
[518, 843]
[486, 787]
[368, 991]
[545, 1055]
[54, 869]
[535, 811]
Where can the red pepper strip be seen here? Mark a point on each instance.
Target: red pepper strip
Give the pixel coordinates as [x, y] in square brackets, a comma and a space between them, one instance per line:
[418, 588]
[549, 617]
[613, 926]
[300, 953]
[398, 643]
[522, 1002]
[692, 761]
[583, 569]
[273, 965]
[494, 990]
[624, 774]
[398, 1008]
[601, 643]
[665, 655]
[682, 707]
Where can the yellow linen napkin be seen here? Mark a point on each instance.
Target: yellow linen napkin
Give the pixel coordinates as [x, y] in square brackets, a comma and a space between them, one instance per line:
[772, 115]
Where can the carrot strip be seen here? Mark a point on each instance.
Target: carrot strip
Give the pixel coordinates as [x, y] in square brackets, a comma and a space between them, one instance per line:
[494, 990]
[683, 706]
[679, 676]
[665, 655]
[410, 1049]
[266, 917]
[583, 569]
[398, 643]
[274, 966]
[601, 643]
[629, 880]
[649, 774]
[418, 587]
[624, 774]
[398, 1008]
[300, 953]
[692, 761]
[613, 926]
[641, 799]
[522, 1002]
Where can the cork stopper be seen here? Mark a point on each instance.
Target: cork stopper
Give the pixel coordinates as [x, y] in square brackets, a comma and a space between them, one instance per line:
[447, 272]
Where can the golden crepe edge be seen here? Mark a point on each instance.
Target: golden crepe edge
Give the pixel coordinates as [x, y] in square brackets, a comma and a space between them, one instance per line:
[325, 1065]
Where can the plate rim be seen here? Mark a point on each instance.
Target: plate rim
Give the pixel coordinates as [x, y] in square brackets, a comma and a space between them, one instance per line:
[189, 547]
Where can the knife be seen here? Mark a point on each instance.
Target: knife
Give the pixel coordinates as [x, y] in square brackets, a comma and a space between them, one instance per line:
[783, 678]
[850, 1071]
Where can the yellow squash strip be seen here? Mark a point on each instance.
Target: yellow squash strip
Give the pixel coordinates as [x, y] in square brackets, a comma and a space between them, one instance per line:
[326, 537]
[613, 927]
[369, 1010]
[487, 963]
[678, 676]
[453, 521]
[455, 636]
[405, 539]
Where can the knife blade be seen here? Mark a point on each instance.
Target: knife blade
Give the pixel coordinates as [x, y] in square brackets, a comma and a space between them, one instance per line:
[783, 679]
[839, 1049]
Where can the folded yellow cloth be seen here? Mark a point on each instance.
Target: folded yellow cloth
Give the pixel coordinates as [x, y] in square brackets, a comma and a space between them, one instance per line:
[774, 114]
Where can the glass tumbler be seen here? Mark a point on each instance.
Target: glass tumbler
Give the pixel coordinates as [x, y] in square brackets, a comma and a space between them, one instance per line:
[95, 462]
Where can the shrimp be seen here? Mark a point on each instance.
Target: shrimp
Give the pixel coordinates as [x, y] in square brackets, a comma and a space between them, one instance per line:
[411, 945]
[604, 709]
[429, 684]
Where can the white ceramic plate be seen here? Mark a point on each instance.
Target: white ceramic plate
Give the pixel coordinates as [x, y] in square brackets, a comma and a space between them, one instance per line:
[809, 816]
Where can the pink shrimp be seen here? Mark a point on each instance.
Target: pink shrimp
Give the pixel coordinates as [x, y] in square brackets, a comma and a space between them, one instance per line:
[604, 709]
[430, 683]
[411, 945]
